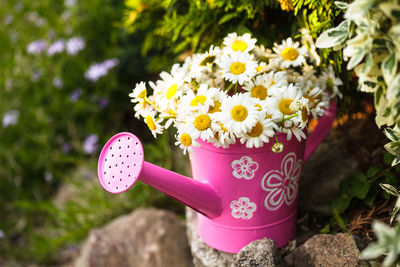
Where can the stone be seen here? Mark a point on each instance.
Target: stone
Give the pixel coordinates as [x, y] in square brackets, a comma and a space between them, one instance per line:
[146, 237]
[204, 255]
[325, 250]
[260, 253]
[322, 174]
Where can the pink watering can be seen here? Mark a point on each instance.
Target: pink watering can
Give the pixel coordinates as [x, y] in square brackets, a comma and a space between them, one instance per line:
[240, 194]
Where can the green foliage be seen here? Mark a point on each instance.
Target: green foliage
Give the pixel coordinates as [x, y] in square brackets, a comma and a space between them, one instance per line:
[55, 110]
[369, 36]
[182, 25]
[362, 188]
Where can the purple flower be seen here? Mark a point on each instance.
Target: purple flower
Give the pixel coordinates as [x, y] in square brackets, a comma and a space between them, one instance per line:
[74, 45]
[98, 70]
[10, 118]
[56, 47]
[8, 19]
[36, 75]
[103, 102]
[1, 234]
[36, 47]
[90, 145]
[66, 148]
[58, 82]
[74, 96]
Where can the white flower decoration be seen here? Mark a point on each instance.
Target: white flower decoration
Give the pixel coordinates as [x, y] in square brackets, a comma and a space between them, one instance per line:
[244, 168]
[282, 185]
[243, 208]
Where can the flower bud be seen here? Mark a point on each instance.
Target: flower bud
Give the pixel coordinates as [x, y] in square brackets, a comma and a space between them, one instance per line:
[277, 147]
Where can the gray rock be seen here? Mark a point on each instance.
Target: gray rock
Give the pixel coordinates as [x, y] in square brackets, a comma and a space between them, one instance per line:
[203, 255]
[146, 237]
[324, 170]
[260, 253]
[326, 251]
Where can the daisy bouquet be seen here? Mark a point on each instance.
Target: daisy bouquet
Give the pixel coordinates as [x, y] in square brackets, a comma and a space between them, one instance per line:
[238, 92]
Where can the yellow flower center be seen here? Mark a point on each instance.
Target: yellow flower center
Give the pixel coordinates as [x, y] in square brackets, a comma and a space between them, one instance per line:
[259, 68]
[304, 114]
[215, 108]
[172, 91]
[259, 91]
[256, 131]
[284, 106]
[272, 83]
[258, 106]
[185, 139]
[200, 99]
[142, 94]
[202, 122]
[268, 116]
[290, 53]
[239, 46]
[223, 128]
[237, 68]
[150, 122]
[239, 113]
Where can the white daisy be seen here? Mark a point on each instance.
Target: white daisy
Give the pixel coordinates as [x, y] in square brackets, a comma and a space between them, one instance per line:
[238, 67]
[153, 123]
[224, 138]
[235, 43]
[259, 134]
[258, 86]
[318, 100]
[329, 81]
[139, 93]
[294, 130]
[192, 101]
[203, 62]
[218, 96]
[170, 88]
[289, 54]
[186, 138]
[238, 114]
[202, 123]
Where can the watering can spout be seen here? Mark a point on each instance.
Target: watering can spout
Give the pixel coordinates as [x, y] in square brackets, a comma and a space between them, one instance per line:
[121, 164]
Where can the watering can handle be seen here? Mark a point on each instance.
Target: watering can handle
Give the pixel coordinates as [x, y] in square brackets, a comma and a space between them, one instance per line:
[321, 130]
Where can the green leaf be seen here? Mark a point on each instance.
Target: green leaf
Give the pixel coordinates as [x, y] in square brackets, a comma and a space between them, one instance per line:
[369, 61]
[373, 171]
[356, 186]
[356, 58]
[226, 18]
[391, 134]
[390, 189]
[341, 203]
[341, 5]
[334, 36]
[393, 147]
[391, 10]
[396, 161]
[393, 89]
[389, 68]
[326, 229]
[396, 208]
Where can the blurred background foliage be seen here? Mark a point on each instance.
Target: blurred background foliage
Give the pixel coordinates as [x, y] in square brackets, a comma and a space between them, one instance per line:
[57, 120]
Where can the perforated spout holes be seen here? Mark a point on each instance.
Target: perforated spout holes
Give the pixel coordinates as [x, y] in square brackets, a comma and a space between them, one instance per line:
[120, 162]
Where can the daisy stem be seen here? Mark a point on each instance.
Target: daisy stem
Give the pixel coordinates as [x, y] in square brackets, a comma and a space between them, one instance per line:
[276, 138]
[236, 88]
[288, 118]
[151, 103]
[229, 88]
